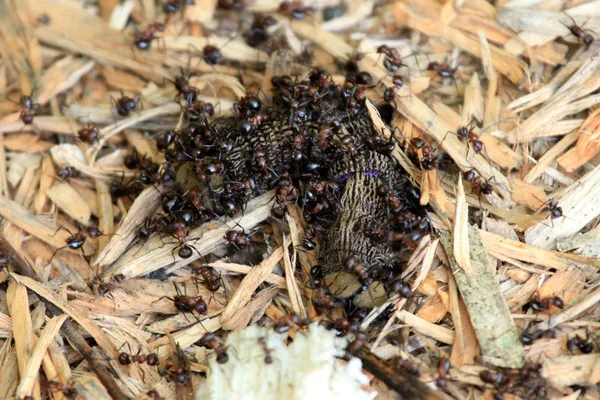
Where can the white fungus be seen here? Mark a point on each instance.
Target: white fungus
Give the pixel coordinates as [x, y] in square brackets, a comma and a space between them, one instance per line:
[306, 369]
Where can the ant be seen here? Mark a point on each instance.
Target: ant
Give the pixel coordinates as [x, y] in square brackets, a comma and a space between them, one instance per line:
[178, 230]
[442, 381]
[284, 323]
[294, 9]
[181, 372]
[153, 394]
[237, 5]
[144, 39]
[89, 134]
[210, 340]
[28, 108]
[184, 89]
[238, 239]
[211, 55]
[325, 132]
[352, 264]
[174, 6]
[103, 288]
[443, 70]
[544, 304]
[528, 337]
[401, 288]
[284, 188]
[76, 241]
[263, 342]
[390, 93]
[248, 105]
[468, 132]
[552, 206]
[184, 303]
[5, 260]
[126, 359]
[125, 104]
[579, 33]
[578, 342]
[392, 61]
[480, 185]
[67, 391]
[210, 278]
[258, 34]
[66, 173]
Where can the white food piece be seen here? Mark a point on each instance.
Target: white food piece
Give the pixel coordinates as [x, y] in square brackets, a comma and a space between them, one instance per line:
[306, 369]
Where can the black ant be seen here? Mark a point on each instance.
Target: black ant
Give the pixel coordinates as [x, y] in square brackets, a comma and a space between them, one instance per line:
[76, 241]
[579, 33]
[144, 39]
[258, 34]
[67, 391]
[248, 105]
[211, 55]
[529, 336]
[294, 9]
[28, 108]
[89, 134]
[184, 303]
[125, 104]
[584, 345]
[551, 205]
[210, 340]
[68, 172]
[539, 304]
[263, 342]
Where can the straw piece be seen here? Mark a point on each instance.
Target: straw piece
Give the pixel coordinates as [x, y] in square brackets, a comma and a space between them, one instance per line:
[67, 199]
[570, 370]
[30, 373]
[78, 316]
[437, 332]
[460, 237]
[588, 144]
[488, 311]
[142, 208]
[580, 203]
[249, 284]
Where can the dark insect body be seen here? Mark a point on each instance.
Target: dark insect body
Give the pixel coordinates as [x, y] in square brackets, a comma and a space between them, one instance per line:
[67, 391]
[586, 38]
[67, 173]
[144, 39]
[89, 134]
[76, 241]
[211, 341]
[28, 108]
[184, 303]
[125, 105]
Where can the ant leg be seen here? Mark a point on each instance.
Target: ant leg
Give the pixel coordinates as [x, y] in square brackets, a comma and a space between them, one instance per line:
[56, 251]
[62, 227]
[163, 297]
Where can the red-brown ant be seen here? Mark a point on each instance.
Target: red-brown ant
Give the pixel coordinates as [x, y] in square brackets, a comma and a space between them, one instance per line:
[5, 260]
[325, 133]
[178, 230]
[89, 134]
[76, 241]
[443, 70]
[285, 323]
[68, 172]
[67, 391]
[237, 5]
[103, 288]
[584, 345]
[392, 61]
[210, 340]
[294, 9]
[539, 304]
[401, 288]
[144, 39]
[210, 278]
[284, 188]
[153, 394]
[125, 104]
[184, 303]
[529, 336]
[468, 132]
[184, 90]
[258, 34]
[480, 185]
[238, 239]
[579, 33]
[180, 372]
[352, 264]
[263, 342]
[126, 359]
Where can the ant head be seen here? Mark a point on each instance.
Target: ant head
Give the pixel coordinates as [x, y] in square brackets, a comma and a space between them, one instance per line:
[94, 232]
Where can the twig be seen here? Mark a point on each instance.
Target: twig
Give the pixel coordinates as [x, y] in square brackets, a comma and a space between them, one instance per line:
[23, 268]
